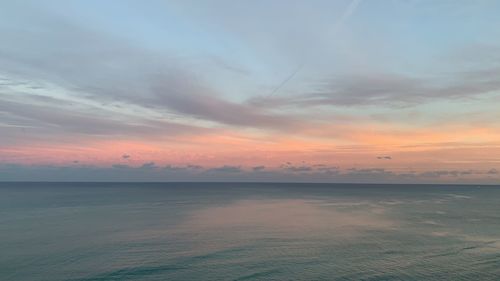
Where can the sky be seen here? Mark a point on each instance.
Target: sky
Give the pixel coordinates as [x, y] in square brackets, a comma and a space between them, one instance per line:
[393, 91]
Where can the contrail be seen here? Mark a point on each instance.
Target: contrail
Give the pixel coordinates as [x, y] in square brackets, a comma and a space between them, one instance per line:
[349, 11]
[288, 78]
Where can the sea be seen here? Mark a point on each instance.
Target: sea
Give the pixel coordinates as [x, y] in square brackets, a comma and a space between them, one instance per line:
[248, 231]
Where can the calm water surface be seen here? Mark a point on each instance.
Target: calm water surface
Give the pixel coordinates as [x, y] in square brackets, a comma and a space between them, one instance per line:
[209, 231]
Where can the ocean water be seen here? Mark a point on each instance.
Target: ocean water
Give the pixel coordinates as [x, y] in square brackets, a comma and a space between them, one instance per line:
[235, 231]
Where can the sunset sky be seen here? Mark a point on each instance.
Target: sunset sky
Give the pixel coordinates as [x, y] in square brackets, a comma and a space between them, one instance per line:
[274, 90]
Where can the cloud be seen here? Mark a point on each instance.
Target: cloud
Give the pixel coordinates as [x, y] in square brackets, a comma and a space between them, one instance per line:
[58, 120]
[456, 173]
[312, 169]
[368, 171]
[98, 72]
[226, 169]
[384, 157]
[300, 168]
[258, 168]
[174, 168]
[393, 90]
[194, 167]
[182, 168]
[149, 166]
[203, 103]
[150, 171]
[453, 173]
[492, 172]
[327, 169]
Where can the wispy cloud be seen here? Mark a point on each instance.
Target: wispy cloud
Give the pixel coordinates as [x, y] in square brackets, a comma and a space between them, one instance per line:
[392, 90]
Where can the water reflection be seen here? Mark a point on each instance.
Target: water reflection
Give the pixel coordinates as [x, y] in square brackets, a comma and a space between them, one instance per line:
[292, 216]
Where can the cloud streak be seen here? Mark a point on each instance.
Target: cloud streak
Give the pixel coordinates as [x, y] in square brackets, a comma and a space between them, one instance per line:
[392, 90]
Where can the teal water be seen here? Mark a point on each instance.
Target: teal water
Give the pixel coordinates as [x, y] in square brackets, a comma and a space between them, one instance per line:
[210, 231]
